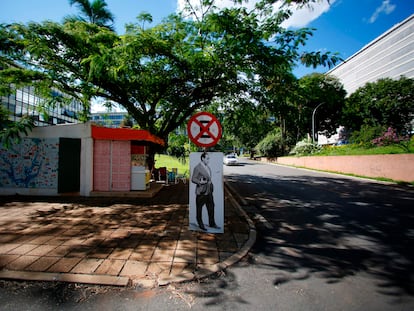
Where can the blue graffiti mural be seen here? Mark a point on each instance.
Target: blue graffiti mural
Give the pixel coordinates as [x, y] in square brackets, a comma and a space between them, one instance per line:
[31, 164]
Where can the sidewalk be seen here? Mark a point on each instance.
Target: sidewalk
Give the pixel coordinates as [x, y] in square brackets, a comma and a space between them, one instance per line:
[115, 241]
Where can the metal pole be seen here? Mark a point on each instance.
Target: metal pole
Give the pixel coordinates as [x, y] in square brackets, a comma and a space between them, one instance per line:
[313, 122]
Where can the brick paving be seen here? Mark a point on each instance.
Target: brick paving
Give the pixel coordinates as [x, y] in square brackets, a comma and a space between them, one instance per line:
[114, 241]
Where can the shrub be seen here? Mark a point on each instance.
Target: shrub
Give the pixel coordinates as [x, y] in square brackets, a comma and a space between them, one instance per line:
[273, 145]
[366, 134]
[305, 147]
[178, 146]
[390, 137]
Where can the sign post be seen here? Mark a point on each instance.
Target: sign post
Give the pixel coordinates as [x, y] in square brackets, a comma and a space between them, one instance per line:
[206, 212]
[204, 129]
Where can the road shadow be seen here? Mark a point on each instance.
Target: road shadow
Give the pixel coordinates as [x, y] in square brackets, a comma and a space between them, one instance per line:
[332, 228]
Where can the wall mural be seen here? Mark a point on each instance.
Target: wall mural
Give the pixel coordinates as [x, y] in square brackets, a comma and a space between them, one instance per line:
[31, 164]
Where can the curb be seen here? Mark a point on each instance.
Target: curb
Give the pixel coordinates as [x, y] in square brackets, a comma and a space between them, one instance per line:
[205, 272]
[65, 277]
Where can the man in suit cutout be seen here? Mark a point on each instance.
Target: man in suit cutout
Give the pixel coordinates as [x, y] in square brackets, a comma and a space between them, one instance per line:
[204, 191]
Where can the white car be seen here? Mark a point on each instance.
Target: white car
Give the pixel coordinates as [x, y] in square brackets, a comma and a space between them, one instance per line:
[230, 159]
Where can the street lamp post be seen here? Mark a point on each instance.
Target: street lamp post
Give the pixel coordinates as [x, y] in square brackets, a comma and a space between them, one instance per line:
[313, 122]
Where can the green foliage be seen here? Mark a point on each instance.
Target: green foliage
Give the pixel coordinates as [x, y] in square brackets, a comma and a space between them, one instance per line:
[384, 103]
[10, 132]
[178, 146]
[244, 123]
[315, 89]
[163, 74]
[365, 135]
[273, 145]
[293, 102]
[357, 149]
[305, 147]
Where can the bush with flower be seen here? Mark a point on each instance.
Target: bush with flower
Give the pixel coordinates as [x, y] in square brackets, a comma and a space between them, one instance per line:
[391, 137]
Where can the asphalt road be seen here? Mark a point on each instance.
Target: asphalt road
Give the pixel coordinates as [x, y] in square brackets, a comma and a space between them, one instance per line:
[343, 243]
[325, 242]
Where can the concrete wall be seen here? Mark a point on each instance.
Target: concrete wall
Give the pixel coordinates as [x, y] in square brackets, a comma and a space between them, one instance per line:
[398, 167]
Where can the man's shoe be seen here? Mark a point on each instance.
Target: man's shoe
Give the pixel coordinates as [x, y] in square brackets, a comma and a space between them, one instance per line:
[214, 227]
[202, 227]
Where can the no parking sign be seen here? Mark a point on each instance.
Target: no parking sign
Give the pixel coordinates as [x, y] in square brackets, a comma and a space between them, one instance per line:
[204, 129]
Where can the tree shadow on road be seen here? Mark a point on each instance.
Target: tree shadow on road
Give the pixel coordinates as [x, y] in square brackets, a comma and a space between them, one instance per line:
[333, 228]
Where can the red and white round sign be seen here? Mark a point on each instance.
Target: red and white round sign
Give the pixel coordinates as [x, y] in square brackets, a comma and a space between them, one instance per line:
[204, 129]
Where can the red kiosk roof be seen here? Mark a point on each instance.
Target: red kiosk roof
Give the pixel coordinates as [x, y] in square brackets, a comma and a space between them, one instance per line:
[107, 133]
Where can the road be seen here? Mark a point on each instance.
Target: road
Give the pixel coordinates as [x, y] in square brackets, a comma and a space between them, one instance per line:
[325, 242]
[343, 243]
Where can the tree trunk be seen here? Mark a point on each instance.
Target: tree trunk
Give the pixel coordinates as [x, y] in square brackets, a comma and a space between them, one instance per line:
[152, 150]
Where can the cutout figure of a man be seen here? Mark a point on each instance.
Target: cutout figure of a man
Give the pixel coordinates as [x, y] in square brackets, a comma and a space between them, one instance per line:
[204, 191]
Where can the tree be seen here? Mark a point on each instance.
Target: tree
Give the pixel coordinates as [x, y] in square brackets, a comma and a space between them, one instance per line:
[384, 103]
[144, 17]
[316, 89]
[127, 122]
[245, 123]
[272, 145]
[292, 101]
[160, 75]
[95, 12]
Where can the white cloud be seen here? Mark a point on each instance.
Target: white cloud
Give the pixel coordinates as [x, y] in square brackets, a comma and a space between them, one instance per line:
[385, 7]
[301, 16]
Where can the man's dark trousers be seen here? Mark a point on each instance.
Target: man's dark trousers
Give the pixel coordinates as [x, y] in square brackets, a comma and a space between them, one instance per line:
[207, 200]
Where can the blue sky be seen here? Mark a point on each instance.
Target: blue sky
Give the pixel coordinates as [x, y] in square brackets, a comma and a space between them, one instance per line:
[345, 26]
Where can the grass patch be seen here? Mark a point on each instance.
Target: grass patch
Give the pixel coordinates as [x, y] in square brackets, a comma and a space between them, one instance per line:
[163, 160]
[361, 150]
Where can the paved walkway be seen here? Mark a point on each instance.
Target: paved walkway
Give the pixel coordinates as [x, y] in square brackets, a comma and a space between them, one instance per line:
[115, 241]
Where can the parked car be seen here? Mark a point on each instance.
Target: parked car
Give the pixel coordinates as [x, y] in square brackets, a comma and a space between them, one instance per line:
[230, 159]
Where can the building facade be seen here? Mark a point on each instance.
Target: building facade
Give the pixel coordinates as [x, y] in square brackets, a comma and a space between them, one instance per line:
[25, 102]
[109, 119]
[391, 55]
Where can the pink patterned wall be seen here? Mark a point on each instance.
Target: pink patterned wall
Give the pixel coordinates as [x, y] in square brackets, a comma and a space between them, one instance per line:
[112, 165]
[121, 165]
[101, 165]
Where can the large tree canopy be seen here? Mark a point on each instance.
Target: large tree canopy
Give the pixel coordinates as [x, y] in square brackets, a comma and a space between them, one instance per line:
[163, 74]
